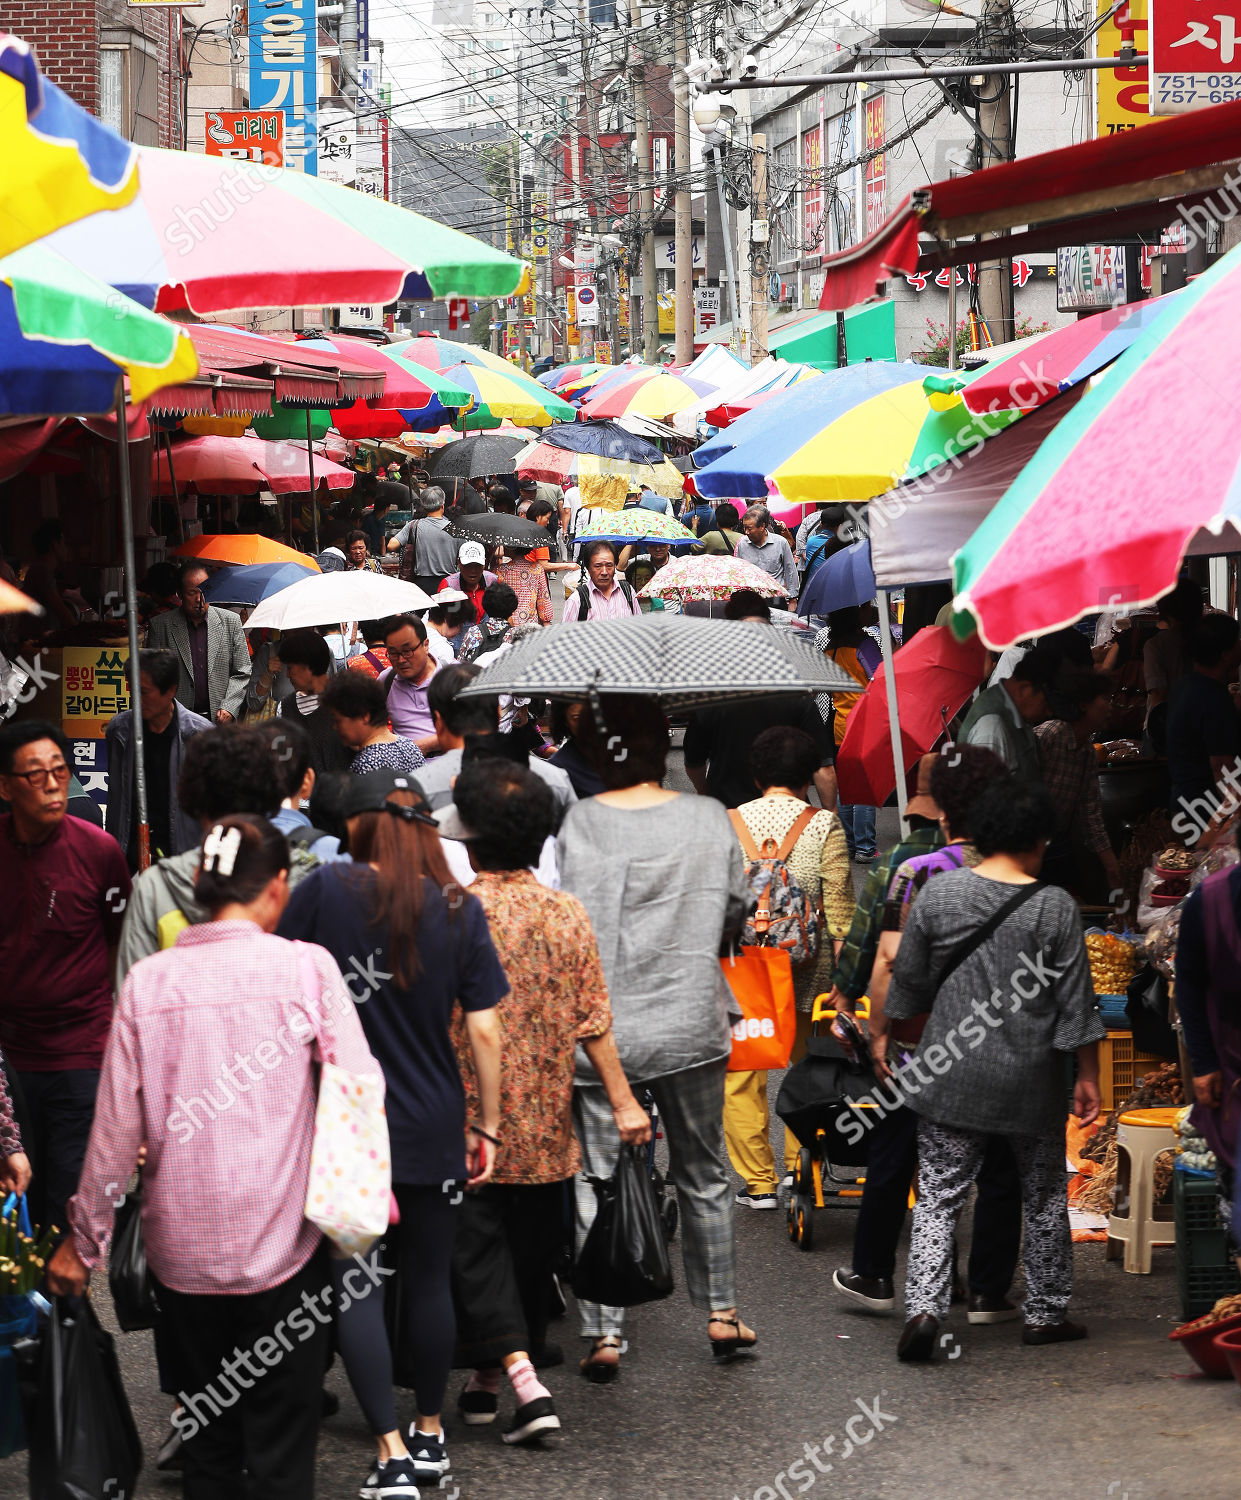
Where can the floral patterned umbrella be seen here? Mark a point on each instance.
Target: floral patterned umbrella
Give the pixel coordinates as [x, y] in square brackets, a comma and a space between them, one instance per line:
[687, 578]
[636, 525]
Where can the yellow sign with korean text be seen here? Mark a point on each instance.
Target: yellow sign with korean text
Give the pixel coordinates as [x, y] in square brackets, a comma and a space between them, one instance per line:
[95, 688]
[1122, 94]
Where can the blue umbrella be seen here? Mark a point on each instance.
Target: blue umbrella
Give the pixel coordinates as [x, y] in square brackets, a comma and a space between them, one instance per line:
[735, 464]
[250, 584]
[605, 440]
[846, 578]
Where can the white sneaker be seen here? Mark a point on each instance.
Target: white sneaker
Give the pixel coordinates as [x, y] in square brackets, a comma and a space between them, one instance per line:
[757, 1200]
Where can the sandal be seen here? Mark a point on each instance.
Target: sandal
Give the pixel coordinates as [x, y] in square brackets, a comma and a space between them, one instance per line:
[726, 1350]
[603, 1371]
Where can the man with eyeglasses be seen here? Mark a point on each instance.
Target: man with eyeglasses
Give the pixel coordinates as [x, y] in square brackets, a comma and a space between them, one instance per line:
[215, 661]
[64, 886]
[408, 679]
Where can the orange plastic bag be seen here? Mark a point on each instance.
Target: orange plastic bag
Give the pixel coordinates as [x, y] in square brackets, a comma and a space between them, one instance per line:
[761, 980]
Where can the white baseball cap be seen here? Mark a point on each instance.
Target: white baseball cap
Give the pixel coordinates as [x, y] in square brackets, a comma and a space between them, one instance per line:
[472, 552]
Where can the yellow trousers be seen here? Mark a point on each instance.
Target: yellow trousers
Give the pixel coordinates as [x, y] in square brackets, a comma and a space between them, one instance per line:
[747, 1123]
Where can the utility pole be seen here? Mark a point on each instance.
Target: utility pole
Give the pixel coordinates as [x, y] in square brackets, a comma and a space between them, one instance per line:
[995, 143]
[730, 300]
[517, 226]
[684, 230]
[646, 195]
[758, 251]
[588, 180]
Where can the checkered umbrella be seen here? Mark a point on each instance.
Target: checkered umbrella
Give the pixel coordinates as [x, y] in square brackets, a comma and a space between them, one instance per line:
[682, 659]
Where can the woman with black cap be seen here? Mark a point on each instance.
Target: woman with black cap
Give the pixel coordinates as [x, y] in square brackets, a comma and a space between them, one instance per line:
[414, 946]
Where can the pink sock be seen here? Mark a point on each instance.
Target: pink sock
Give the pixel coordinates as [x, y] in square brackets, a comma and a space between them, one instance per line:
[484, 1380]
[526, 1384]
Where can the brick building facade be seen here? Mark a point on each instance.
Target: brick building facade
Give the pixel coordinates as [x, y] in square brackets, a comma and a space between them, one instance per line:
[118, 61]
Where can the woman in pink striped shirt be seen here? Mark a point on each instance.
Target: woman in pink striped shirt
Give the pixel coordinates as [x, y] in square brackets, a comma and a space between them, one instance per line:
[212, 1063]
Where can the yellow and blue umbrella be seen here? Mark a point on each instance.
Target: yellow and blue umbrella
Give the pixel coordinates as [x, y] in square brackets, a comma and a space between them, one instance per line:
[646, 393]
[60, 163]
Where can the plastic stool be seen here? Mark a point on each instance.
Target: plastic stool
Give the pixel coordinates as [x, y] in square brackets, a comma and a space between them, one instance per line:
[1141, 1134]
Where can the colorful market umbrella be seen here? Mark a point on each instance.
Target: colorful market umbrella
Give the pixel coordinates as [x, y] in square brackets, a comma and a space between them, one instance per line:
[245, 550]
[580, 387]
[1053, 362]
[413, 397]
[499, 389]
[563, 374]
[1103, 514]
[601, 480]
[715, 578]
[633, 525]
[66, 340]
[891, 436]
[646, 394]
[243, 466]
[935, 676]
[208, 233]
[252, 583]
[60, 163]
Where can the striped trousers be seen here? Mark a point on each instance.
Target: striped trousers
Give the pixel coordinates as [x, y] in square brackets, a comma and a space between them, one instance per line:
[691, 1113]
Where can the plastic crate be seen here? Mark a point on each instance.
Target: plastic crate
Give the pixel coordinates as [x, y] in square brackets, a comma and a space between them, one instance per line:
[1120, 1067]
[1205, 1271]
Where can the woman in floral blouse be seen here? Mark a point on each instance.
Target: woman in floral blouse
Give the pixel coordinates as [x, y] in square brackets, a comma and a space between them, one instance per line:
[359, 709]
[15, 1168]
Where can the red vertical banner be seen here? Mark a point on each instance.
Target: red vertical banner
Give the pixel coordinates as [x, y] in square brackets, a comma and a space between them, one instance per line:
[812, 164]
[876, 169]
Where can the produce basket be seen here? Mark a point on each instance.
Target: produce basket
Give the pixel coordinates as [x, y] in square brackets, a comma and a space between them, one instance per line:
[1205, 1271]
[1120, 1067]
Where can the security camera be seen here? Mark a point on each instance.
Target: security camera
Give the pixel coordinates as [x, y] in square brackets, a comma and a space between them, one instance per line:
[706, 114]
[748, 67]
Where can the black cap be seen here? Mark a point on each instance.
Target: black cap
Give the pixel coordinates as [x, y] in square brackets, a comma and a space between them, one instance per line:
[527, 483]
[363, 794]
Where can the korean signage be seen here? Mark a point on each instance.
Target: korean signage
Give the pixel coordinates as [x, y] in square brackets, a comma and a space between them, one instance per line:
[667, 311]
[246, 134]
[920, 280]
[603, 352]
[1089, 277]
[666, 253]
[1195, 51]
[876, 169]
[284, 74]
[587, 304]
[338, 145]
[360, 315]
[94, 689]
[812, 199]
[706, 309]
[539, 229]
[1122, 95]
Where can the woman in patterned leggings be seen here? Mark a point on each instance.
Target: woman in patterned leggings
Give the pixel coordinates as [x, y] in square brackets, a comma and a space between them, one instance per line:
[998, 964]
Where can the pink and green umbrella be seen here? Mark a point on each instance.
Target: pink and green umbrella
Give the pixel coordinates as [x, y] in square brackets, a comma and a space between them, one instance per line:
[1147, 465]
[691, 578]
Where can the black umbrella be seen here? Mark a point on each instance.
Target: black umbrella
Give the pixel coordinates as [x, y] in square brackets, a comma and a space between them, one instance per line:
[495, 526]
[472, 457]
[684, 660]
[606, 439]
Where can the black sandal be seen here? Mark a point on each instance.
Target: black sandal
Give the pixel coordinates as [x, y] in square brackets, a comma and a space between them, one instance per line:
[726, 1350]
[602, 1372]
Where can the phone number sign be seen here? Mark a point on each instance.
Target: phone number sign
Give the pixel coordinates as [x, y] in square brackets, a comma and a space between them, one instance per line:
[1195, 49]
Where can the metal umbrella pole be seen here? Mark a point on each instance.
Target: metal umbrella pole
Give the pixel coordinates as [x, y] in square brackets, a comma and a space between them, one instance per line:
[172, 479]
[131, 612]
[310, 460]
[894, 719]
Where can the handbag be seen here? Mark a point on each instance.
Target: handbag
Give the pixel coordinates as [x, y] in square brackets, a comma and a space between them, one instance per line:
[81, 1431]
[624, 1261]
[129, 1279]
[350, 1182]
[761, 981]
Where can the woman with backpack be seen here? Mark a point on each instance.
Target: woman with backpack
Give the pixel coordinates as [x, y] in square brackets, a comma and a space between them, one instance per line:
[802, 851]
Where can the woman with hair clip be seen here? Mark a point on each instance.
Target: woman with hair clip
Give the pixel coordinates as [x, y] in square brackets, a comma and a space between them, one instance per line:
[417, 948]
[213, 1062]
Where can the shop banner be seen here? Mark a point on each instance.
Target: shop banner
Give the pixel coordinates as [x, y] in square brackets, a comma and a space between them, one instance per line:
[1195, 54]
[1122, 95]
[1089, 277]
[338, 146]
[284, 74]
[876, 170]
[539, 228]
[706, 309]
[246, 135]
[90, 766]
[603, 352]
[94, 689]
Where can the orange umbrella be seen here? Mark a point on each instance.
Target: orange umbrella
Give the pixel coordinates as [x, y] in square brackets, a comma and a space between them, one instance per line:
[243, 550]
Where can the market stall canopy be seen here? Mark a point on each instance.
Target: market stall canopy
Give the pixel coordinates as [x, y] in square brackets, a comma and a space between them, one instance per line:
[870, 333]
[243, 466]
[329, 598]
[1092, 193]
[413, 396]
[770, 374]
[67, 340]
[300, 374]
[246, 549]
[1114, 498]
[683, 660]
[60, 163]
[208, 233]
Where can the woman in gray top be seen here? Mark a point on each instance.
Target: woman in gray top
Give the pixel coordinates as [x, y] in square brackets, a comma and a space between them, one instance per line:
[991, 1060]
[660, 874]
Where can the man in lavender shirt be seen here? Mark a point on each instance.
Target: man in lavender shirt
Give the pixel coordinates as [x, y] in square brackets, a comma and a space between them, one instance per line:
[406, 681]
[601, 595]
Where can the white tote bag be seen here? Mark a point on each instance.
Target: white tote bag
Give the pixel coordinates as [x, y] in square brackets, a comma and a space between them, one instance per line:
[350, 1184]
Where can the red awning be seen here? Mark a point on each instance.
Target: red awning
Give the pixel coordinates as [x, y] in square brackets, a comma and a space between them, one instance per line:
[300, 376]
[214, 396]
[1076, 190]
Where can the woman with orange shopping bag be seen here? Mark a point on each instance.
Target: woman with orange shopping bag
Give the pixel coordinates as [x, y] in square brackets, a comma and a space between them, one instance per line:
[811, 850]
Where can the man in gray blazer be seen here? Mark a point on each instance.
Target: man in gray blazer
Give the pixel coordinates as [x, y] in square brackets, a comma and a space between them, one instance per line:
[166, 725]
[211, 645]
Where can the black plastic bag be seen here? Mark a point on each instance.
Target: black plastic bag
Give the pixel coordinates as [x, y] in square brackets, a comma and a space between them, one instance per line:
[815, 1095]
[1148, 1014]
[81, 1433]
[624, 1261]
[129, 1280]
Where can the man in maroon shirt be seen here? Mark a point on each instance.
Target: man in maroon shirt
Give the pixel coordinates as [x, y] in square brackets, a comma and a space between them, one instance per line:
[64, 886]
